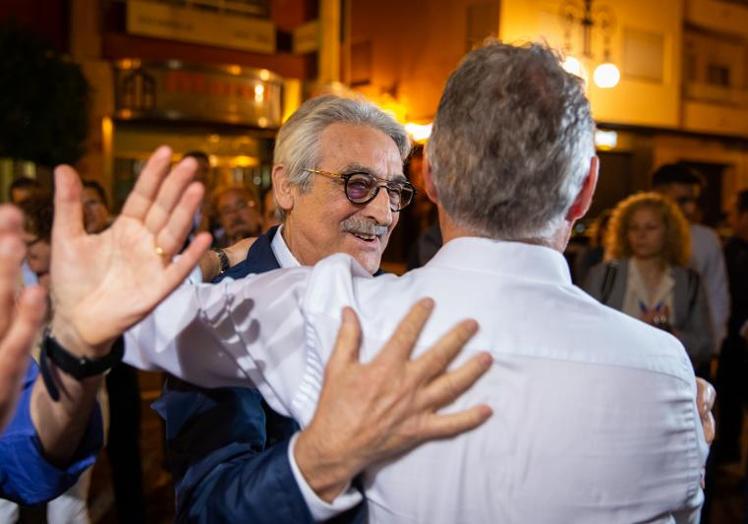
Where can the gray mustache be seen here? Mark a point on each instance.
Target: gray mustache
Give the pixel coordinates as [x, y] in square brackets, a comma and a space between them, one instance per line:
[363, 227]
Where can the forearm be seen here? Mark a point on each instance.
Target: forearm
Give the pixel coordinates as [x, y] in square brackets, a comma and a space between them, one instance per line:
[62, 424]
[210, 265]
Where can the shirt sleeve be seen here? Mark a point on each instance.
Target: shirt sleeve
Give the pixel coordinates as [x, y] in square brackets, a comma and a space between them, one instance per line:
[321, 510]
[193, 334]
[715, 280]
[25, 475]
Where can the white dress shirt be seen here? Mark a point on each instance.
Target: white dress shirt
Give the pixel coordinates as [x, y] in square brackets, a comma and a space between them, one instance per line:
[594, 418]
[707, 258]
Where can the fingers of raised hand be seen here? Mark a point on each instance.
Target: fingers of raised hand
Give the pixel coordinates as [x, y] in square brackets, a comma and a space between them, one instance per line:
[12, 251]
[181, 267]
[68, 216]
[146, 188]
[448, 386]
[443, 426]
[171, 235]
[348, 341]
[705, 398]
[170, 194]
[10, 220]
[444, 351]
[403, 340]
[17, 341]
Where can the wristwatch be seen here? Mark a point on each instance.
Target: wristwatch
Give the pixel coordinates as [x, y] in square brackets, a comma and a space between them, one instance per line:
[223, 261]
[76, 366]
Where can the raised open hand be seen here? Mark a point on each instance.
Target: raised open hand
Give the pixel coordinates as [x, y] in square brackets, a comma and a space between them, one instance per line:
[20, 316]
[103, 284]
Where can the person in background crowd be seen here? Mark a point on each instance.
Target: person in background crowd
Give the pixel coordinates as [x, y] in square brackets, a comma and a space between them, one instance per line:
[201, 220]
[45, 443]
[684, 186]
[23, 188]
[238, 212]
[648, 248]
[594, 253]
[123, 390]
[96, 211]
[270, 215]
[69, 507]
[733, 360]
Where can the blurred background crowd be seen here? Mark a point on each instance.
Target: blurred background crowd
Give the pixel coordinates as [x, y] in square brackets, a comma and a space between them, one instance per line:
[101, 83]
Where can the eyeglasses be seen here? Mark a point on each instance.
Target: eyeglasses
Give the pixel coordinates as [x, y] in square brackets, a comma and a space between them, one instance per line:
[362, 188]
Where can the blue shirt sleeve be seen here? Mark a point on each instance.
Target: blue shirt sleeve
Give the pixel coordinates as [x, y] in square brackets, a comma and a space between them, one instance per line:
[25, 475]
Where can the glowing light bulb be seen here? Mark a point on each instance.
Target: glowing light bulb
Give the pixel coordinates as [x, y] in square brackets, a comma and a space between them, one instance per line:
[606, 75]
[575, 67]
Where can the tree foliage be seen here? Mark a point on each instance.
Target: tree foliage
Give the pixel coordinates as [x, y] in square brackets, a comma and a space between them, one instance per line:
[43, 100]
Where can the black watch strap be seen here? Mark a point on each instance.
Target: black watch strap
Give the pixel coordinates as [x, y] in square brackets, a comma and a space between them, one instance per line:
[80, 367]
[223, 261]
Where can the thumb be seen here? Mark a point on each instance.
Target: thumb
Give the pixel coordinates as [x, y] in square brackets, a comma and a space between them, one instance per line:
[68, 220]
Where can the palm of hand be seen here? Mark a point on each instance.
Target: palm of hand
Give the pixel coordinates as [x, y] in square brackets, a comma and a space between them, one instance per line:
[117, 270]
[103, 284]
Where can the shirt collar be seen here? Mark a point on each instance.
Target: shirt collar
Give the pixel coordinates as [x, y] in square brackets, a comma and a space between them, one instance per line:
[502, 257]
[280, 250]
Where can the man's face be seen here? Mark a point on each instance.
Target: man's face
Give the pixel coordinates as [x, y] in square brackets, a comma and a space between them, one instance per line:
[322, 221]
[95, 213]
[238, 215]
[687, 198]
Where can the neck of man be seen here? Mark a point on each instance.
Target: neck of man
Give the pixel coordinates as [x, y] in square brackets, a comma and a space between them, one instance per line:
[298, 245]
[451, 230]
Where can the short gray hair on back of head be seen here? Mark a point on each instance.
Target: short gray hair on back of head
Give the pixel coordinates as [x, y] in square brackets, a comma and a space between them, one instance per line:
[512, 142]
[297, 144]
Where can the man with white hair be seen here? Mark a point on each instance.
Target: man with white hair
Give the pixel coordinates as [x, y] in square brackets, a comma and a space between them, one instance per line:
[595, 418]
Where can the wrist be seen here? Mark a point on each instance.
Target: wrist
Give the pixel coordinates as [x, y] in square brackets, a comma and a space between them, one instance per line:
[67, 335]
[326, 471]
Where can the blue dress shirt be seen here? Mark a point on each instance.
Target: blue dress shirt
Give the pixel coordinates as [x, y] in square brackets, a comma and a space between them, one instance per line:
[25, 475]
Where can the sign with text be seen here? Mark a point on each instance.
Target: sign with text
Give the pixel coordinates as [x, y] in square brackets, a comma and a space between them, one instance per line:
[177, 91]
[197, 26]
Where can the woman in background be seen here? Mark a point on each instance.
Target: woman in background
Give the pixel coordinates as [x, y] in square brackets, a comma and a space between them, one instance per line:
[645, 275]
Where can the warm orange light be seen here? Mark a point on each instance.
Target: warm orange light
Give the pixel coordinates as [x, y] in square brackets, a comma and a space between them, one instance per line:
[420, 133]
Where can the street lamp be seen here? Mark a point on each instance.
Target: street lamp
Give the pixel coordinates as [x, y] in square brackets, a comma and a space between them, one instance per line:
[600, 17]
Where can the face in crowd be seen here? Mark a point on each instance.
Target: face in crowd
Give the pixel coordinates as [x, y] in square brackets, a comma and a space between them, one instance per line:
[687, 198]
[322, 220]
[95, 211]
[238, 214]
[646, 233]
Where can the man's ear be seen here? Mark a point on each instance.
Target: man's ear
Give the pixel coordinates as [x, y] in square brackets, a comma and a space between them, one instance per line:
[428, 180]
[282, 188]
[584, 198]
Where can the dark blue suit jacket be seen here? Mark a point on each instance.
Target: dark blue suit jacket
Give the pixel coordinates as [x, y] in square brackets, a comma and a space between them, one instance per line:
[228, 451]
